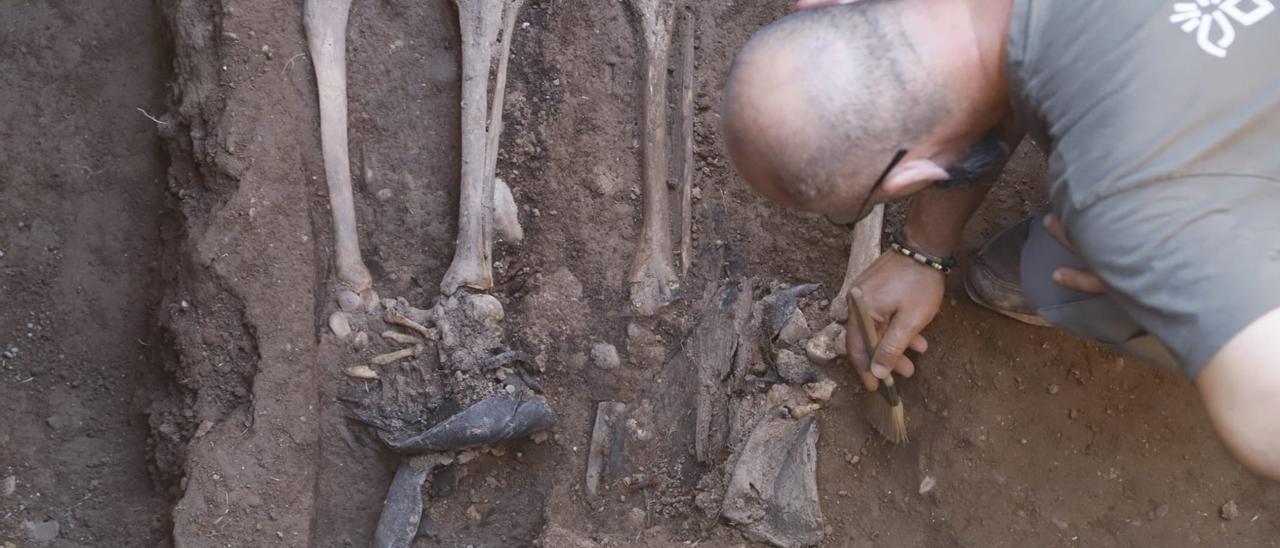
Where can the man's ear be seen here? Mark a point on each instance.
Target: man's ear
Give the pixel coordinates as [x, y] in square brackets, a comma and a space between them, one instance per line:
[912, 177]
[806, 4]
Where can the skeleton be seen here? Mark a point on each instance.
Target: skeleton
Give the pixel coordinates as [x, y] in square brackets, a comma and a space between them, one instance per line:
[498, 400]
[653, 278]
[480, 22]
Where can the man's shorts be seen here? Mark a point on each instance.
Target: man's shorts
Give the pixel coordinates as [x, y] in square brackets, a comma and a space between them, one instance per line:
[1190, 262]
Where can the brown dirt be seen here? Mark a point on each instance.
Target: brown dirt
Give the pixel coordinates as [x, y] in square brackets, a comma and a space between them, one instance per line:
[174, 381]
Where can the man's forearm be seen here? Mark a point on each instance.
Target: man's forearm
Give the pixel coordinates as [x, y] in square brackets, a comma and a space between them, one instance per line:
[936, 218]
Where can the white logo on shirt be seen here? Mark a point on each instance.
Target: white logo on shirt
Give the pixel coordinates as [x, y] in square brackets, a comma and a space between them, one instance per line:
[1201, 16]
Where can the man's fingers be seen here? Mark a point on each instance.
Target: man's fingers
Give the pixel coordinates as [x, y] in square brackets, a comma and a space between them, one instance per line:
[895, 342]
[1054, 228]
[857, 354]
[920, 344]
[1079, 280]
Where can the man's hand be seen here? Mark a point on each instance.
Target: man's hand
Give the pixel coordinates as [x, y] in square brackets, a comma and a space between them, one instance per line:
[907, 296]
[1070, 278]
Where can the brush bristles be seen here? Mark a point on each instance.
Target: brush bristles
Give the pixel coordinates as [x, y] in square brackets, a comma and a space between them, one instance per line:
[898, 424]
[889, 420]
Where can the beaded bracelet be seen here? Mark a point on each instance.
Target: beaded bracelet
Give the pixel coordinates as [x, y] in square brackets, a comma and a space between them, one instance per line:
[942, 264]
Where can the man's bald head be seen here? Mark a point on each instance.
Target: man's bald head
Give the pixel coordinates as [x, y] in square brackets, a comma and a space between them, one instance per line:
[818, 102]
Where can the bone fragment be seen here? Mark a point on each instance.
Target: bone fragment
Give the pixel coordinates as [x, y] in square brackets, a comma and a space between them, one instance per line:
[506, 216]
[402, 338]
[688, 26]
[653, 279]
[326, 26]
[362, 372]
[480, 22]
[404, 321]
[826, 345]
[393, 357]
[486, 309]
[348, 300]
[340, 324]
[608, 416]
[773, 490]
[821, 390]
[864, 247]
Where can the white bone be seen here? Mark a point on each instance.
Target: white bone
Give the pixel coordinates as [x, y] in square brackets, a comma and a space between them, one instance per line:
[402, 338]
[404, 321]
[479, 21]
[653, 278]
[326, 26]
[506, 217]
[392, 357]
[863, 250]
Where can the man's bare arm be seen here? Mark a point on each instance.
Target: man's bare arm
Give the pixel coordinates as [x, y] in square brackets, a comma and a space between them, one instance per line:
[936, 217]
[1241, 389]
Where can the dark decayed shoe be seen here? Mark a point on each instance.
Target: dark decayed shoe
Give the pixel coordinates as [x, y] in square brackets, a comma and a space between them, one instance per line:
[491, 421]
[994, 280]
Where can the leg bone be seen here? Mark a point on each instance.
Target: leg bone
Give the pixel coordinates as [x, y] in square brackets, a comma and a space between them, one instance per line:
[326, 25]
[653, 277]
[863, 251]
[480, 22]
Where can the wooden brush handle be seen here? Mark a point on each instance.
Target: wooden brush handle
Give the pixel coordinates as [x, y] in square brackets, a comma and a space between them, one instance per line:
[867, 327]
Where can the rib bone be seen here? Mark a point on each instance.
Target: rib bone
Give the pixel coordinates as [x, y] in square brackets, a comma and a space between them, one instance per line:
[479, 21]
[653, 277]
[326, 25]
[863, 250]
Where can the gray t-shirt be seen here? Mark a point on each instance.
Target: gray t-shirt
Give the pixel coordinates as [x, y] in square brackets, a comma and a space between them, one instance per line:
[1162, 123]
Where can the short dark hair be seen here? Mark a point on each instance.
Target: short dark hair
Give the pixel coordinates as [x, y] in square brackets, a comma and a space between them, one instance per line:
[855, 92]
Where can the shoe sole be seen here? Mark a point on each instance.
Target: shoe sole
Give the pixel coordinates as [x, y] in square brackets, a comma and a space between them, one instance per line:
[1029, 319]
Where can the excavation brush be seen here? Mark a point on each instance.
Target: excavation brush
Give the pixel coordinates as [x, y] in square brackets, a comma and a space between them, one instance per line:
[884, 407]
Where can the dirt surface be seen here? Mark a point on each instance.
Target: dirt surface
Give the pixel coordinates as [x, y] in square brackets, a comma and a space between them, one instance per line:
[167, 288]
[81, 213]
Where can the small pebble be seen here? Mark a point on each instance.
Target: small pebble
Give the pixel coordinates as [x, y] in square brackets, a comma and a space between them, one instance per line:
[384, 195]
[1053, 389]
[927, 484]
[204, 428]
[1160, 512]
[9, 486]
[605, 356]
[1230, 510]
[41, 531]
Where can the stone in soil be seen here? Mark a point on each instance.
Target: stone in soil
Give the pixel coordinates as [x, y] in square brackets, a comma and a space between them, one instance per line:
[41, 531]
[1230, 510]
[605, 356]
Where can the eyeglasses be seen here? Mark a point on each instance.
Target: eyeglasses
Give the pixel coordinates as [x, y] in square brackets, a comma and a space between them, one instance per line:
[846, 219]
